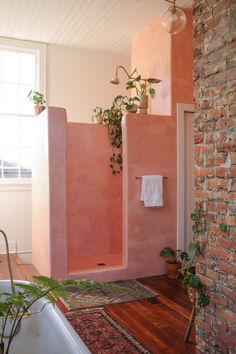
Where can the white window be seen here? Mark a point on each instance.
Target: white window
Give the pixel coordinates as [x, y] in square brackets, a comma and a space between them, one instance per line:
[19, 73]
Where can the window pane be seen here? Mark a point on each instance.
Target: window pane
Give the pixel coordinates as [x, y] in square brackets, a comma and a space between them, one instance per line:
[25, 173]
[10, 66]
[10, 157]
[27, 68]
[10, 131]
[10, 98]
[26, 158]
[10, 172]
[26, 131]
[25, 106]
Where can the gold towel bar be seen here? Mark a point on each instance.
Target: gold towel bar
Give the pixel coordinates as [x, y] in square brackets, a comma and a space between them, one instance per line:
[141, 177]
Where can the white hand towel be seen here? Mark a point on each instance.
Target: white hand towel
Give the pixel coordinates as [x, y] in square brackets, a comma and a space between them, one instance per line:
[152, 191]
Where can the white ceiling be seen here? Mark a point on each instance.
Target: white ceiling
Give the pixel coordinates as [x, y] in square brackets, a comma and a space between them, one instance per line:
[107, 25]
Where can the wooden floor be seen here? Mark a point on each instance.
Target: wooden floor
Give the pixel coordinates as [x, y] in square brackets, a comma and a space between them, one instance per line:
[159, 326]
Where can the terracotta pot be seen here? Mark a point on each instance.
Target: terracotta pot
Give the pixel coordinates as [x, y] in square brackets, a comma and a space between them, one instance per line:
[143, 105]
[38, 109]
[172, 269]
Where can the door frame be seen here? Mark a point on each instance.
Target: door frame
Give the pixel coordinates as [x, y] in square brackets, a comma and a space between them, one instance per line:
[182, 108]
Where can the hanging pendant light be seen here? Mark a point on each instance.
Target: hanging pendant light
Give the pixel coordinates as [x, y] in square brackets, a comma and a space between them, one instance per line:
[173, 20]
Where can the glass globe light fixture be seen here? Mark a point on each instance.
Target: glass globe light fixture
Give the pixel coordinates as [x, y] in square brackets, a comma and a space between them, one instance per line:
[173, 20]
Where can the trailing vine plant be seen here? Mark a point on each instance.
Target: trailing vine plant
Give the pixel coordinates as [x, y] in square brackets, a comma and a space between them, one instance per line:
[112, 118]
[190, 279]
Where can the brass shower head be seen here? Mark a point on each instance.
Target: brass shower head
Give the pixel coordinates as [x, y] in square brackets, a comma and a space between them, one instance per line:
[115, 80]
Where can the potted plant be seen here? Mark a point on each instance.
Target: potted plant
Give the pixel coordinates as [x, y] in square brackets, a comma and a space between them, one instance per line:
[125, 103]
[173, 264]
[38, 99]
[98, 115]
[143, 88]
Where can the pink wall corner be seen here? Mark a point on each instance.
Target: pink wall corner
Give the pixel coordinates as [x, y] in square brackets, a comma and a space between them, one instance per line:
[57, 135]
[169, 58]
[182, 64]
[94, 195]
[40, 197]
[49, 251]
[151, 55]
[151, 149]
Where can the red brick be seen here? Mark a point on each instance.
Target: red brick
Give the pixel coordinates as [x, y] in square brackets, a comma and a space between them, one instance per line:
[226, 314]
[218, 183]
[201, 171]
[217, 252]
[228, 268]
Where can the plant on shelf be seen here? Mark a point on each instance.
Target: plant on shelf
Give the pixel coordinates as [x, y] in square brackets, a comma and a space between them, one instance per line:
[143, 88]
[173, 264]
[98, 115]
[14, 307]
[38, 100]
[128, 104]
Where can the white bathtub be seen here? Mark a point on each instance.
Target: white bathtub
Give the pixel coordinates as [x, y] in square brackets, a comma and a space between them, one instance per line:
[48, 332]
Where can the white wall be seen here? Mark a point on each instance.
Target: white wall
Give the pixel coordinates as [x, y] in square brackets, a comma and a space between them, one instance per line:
[15, 218]
[79, 80]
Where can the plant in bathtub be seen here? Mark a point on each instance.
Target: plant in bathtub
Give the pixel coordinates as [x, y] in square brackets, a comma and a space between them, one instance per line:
[16, 307]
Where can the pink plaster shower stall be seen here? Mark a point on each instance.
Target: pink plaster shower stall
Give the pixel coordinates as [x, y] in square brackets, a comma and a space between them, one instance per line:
[88, 223]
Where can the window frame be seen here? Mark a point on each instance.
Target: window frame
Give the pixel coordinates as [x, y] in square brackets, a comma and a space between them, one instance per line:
[39, 49]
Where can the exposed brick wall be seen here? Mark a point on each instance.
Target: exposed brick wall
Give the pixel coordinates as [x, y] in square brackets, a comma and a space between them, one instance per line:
[215, 139]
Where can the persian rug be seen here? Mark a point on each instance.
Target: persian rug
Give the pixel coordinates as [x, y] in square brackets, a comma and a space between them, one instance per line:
[102, 334]
[134, 290]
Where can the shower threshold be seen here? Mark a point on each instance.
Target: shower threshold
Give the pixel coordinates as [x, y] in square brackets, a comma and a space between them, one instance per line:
[97, 263]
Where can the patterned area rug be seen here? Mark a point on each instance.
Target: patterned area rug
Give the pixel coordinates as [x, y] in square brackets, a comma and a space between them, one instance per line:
[100, 297]
[102, 334]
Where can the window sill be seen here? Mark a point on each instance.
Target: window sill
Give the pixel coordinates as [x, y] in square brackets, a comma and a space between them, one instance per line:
[15, 185]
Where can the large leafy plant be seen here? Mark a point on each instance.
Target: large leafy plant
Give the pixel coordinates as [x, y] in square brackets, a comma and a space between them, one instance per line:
[16, 306]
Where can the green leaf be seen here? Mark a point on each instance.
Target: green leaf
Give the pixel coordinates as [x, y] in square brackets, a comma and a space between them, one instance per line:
[167, 252]
[151, 80]
[194, 282]
[192, 247]
[138, 78]
[152, 92]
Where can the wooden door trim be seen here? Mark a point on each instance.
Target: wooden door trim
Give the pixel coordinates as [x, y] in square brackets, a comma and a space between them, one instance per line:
[182, 108]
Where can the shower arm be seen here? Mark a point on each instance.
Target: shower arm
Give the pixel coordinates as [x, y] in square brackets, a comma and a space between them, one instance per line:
[8, 261]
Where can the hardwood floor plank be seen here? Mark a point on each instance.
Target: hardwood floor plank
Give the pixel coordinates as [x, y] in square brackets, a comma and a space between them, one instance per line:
[159, 326]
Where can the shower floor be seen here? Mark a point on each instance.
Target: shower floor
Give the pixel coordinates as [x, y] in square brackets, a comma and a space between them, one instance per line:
[94, 262]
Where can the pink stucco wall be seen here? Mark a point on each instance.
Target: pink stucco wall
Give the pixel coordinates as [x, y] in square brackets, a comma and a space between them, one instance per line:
[94, 195]
[49, 251]
[155, 53]
[148, 149]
